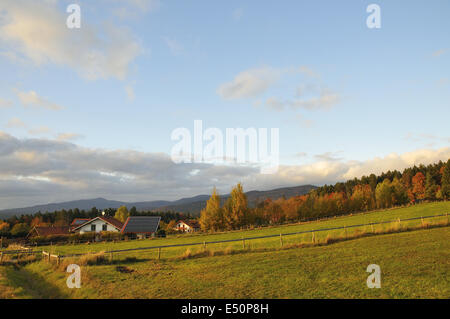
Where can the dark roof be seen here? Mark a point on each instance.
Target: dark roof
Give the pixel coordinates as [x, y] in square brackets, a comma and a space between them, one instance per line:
[51, 230]
[79, 221]
[141, 224]
[110, 220]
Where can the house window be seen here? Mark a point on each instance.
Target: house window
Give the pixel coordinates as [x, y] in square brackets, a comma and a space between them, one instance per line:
[92, 227]
[105, 227]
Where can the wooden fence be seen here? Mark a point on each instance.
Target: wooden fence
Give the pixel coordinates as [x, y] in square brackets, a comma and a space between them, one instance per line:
[48, 256]
[281, 235]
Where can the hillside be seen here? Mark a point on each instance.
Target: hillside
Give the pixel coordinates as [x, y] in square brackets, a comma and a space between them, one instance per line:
[185, 205]
[413, 265]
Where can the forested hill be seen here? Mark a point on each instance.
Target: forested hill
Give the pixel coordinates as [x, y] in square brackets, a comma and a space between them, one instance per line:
[184, 205]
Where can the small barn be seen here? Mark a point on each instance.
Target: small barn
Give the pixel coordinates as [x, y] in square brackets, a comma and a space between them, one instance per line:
[188, 226]
[99, 224]
[39, 231]
[141, 226]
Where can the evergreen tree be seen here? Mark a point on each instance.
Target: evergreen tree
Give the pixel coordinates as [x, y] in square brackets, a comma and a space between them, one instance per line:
[445, 182]
[430, 187]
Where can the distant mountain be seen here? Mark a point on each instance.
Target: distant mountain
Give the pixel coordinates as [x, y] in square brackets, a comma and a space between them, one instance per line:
[186, 205]
[253, 197]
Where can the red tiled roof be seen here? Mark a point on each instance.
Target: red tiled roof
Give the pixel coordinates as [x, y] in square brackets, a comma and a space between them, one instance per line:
[112, 221]
[51, 230]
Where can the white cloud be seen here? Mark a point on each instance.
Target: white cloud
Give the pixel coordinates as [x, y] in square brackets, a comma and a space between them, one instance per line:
[250, 83]
[440, 52]
[39, 130]
[15, 123]
[130, 93]
[31, 98]
[325, 100]
[174, 46]
[255, 82]
[68, 136]
[5, 103]
[37, 32]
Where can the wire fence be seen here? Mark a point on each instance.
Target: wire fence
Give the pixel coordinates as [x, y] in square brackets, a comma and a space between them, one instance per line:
[259, 237]
[204, 243]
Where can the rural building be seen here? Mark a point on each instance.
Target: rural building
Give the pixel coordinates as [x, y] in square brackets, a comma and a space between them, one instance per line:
[48, 230]
[141, 226]
[99, 224]
[188, 226]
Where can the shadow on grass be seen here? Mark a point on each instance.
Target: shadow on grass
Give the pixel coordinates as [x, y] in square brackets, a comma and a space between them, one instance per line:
[28, 284]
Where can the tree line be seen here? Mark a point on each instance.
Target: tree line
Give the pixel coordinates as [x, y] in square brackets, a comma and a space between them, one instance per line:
[393, 188]
[20, 226]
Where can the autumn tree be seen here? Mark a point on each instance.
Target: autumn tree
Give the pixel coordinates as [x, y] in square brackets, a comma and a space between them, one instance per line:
[418, 186]
[4, 227]
[20, 230]
[400, 195]
[211, 217]
[384, 194]
[236, 209]
[362, 198]
[122, 214]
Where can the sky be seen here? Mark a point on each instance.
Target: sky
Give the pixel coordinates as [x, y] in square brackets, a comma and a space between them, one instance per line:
[89, 112]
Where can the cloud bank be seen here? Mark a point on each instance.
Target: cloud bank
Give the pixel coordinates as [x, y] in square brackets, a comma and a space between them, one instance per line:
[36, 171]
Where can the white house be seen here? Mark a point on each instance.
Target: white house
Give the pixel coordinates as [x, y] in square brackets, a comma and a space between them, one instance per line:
[99, 224]
[187, 226]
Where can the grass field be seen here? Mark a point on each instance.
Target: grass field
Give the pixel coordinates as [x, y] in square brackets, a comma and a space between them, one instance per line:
[391, 214]
[413, 264]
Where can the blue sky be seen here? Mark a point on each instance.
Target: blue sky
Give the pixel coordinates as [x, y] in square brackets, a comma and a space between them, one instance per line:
[362, 94]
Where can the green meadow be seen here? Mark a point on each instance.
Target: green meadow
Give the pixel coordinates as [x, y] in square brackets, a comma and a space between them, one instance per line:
[413, 257]
[413, 264]
[426, 209]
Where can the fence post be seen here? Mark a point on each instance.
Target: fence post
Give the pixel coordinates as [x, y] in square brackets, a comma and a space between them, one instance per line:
[313, 237]
[399, 222]
[58, 260]
[204, 245]
[243, 243]
[159, 253]
[423, 223]
[281, 240]
[372, 228]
